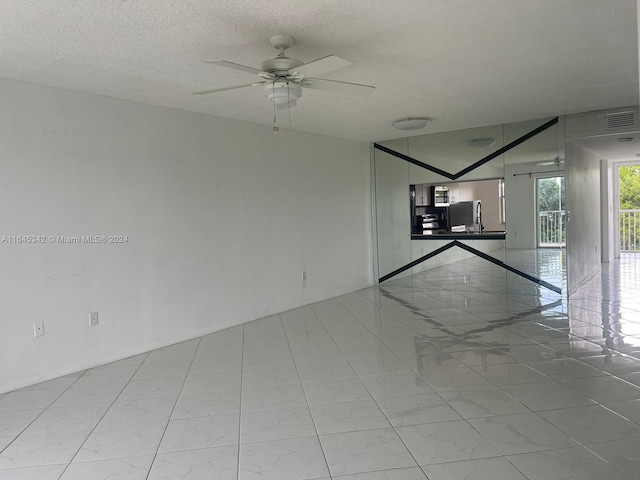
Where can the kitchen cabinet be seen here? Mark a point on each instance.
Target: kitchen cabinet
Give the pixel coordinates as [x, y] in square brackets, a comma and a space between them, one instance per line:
[422, 195]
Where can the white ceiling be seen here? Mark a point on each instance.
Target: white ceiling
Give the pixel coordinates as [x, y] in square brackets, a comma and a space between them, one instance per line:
[608, 147]
[464, 63]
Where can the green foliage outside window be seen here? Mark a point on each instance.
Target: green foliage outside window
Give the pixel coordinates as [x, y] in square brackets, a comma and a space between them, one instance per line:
[552, 229]
[629, 200]
[630, 187]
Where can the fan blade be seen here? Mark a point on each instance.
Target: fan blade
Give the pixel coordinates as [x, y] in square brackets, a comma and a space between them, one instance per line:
[338, 87]
[235, 66]
[216, 90]
[322, 65]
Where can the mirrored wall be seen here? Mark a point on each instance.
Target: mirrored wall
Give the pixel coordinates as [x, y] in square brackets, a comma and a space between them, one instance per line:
[445, 198]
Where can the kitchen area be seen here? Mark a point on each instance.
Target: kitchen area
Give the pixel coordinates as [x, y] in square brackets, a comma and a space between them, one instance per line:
[457, 210]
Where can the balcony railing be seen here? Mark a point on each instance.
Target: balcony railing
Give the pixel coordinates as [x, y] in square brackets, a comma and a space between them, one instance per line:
[552, 230]
[629, 230]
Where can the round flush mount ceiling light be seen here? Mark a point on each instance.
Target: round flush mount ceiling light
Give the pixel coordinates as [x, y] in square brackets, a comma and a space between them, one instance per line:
[481, 142]
[411, 123]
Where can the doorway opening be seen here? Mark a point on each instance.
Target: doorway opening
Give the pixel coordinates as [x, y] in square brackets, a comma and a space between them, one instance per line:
[629, 207]
[550, 206]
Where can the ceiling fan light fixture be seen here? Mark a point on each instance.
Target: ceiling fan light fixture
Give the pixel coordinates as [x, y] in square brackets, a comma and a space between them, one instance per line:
[283, 93]
[481, 142]
[411, 123]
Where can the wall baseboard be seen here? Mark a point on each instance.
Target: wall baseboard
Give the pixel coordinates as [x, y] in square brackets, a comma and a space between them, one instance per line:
[94, 362]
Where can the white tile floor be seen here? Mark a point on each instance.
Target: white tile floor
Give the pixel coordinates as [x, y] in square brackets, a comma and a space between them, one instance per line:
[464, 372]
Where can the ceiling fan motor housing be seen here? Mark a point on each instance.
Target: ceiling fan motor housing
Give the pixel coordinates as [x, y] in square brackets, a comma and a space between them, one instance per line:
[281, 42]
[280, 66]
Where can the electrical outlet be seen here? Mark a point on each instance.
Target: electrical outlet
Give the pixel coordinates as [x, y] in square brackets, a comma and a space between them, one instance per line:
[38, 329]
[304, 279]
[94, 319]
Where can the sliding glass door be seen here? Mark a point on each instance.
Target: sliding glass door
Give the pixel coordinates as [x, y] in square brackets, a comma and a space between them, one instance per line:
[551, 224]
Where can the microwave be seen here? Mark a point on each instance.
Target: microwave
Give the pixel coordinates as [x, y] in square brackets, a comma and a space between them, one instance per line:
[440, 196]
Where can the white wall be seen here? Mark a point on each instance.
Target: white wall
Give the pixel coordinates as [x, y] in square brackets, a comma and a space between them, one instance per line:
[489, 192]
[583, 210]
[222, 218]
[607, 172]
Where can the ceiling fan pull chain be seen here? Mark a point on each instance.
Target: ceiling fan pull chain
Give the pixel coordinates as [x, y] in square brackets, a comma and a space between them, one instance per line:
[276, 129]
[289, 104]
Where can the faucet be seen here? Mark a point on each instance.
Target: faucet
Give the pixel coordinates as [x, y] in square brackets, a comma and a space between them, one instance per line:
[479, 217]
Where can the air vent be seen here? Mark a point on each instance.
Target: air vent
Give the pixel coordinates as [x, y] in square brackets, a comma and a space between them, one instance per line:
[621, 120]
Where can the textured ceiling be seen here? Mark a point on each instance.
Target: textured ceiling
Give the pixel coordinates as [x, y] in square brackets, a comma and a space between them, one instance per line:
[608, 147]
[462, 63]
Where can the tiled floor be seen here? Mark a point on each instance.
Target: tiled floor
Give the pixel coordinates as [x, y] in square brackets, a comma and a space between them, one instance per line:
[464, 372]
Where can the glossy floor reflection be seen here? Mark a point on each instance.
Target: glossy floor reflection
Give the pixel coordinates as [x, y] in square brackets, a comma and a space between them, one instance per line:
[462, 372]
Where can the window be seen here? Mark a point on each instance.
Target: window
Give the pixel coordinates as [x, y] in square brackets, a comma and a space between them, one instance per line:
[551, 215]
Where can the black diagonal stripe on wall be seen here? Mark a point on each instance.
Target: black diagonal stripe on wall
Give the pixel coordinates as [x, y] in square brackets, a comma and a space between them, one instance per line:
[418, 261]
[480, 254]
[507, 147]
[409, 159]
[500, 263]
[479, 163]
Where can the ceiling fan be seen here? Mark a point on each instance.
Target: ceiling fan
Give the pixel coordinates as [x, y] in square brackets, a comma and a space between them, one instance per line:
[283, 78]
[556, 161]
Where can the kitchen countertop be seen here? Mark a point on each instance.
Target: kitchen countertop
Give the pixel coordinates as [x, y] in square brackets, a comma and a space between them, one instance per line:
[445, 235]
